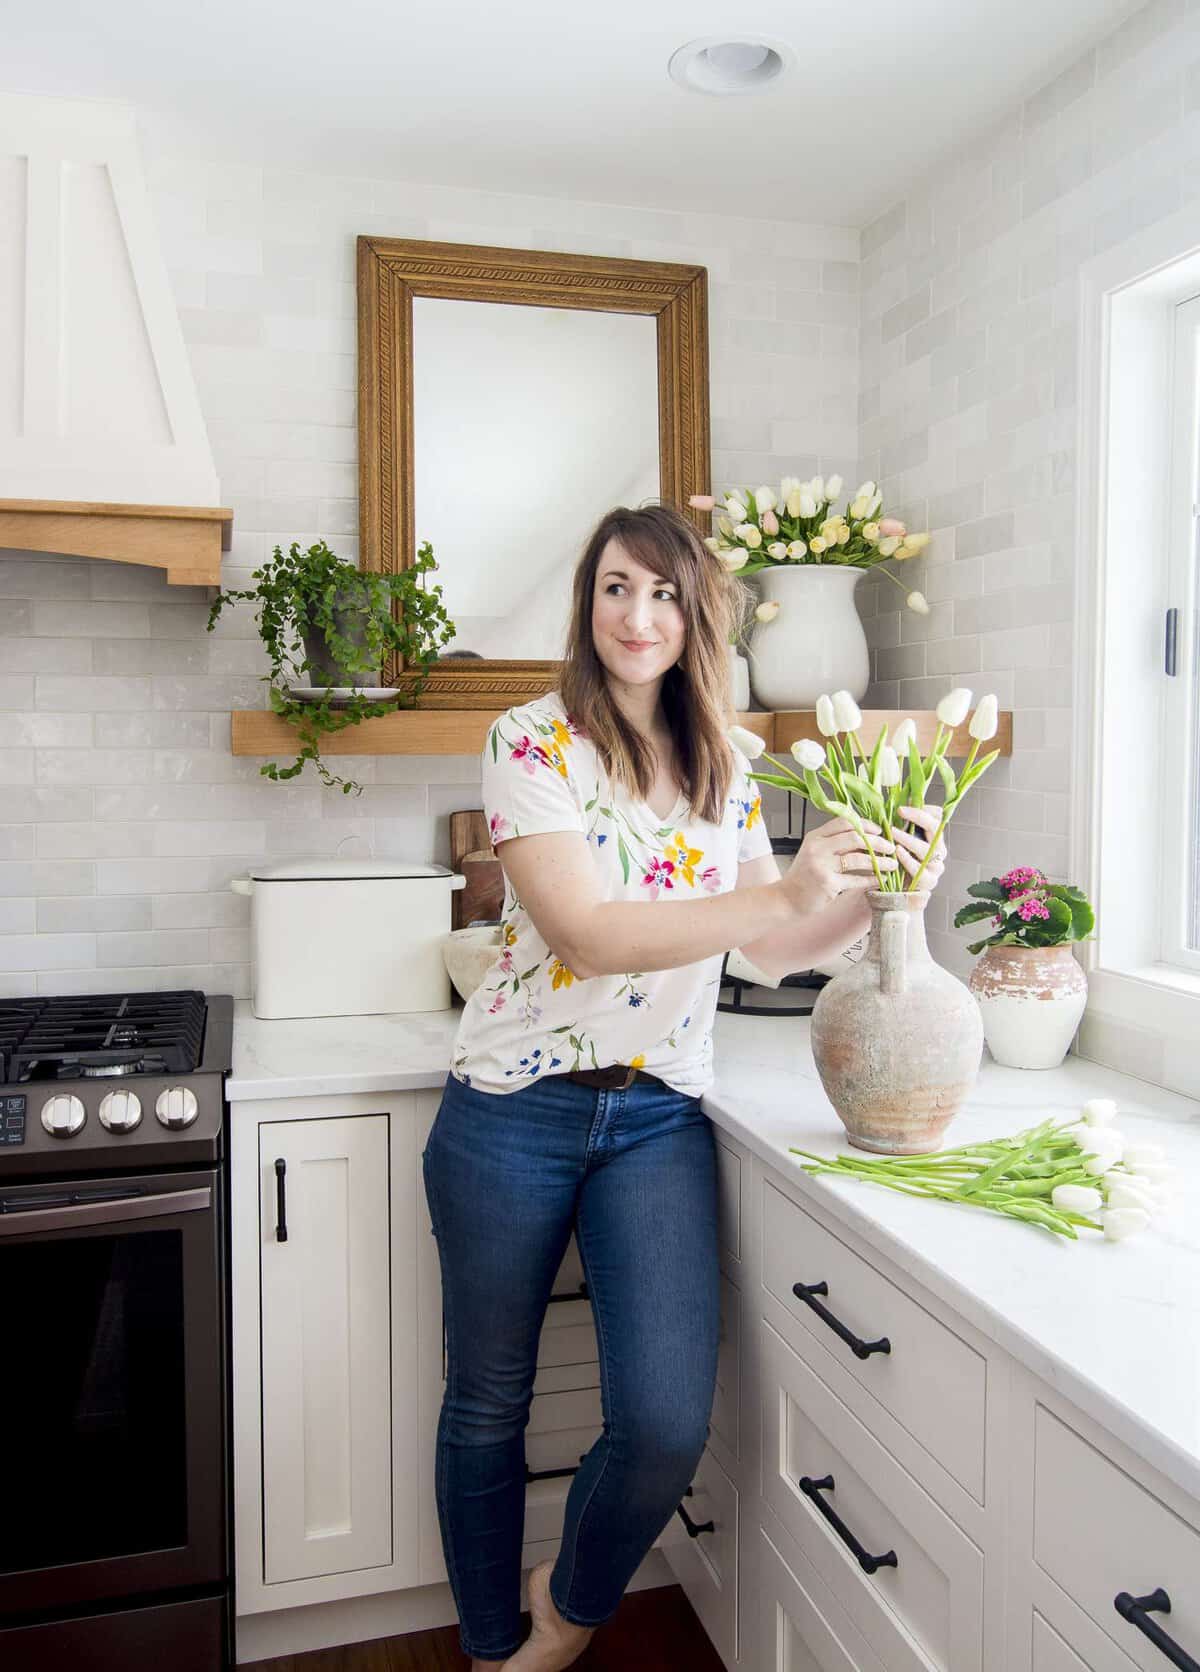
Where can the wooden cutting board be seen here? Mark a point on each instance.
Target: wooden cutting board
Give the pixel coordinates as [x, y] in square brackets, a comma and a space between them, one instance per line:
[471, 853]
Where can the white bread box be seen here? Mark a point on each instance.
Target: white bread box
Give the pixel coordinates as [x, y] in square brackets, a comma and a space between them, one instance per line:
[348, 937]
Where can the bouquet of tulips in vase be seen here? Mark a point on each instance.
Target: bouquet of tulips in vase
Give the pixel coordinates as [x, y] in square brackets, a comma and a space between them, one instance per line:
[1063, 1177]
[851, 780]
[761, 529]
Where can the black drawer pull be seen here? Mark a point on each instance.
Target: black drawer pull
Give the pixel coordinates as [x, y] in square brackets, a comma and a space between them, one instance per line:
[813, 1489]
[552, 1474]
[280, 1200]
[807, 1292]
[694, 1528]
[581, 1293]
[1135, 1610]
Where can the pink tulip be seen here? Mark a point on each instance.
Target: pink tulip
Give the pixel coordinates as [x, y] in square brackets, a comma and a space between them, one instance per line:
[701, 501]
[892, 525]
[770, 523]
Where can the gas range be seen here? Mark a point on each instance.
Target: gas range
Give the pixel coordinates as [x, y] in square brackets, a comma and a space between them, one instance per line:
[109, 1082]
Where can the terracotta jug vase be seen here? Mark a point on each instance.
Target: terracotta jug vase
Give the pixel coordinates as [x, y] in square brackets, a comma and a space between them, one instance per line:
[897, 1039]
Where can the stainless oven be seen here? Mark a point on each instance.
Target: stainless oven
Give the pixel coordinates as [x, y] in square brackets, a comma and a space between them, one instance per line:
[114, 1502]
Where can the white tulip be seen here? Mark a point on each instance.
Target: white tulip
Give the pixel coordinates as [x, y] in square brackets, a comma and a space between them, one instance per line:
[713, 544]
[906, 733]
[735, 508]
[768, 611]
[749, 535]
[1127, 1195]
[826, 718]
[1076, 1198]
[794, 502]
[748, 742]
[889, 766]
[789, 486]
[1097, 1165]
[777, 549]
[889, 545]
[817, 488]
[1120, 1223]
[952, 710]
[1102, 1140]
[807, 506]
[808, 754]
[846, 711]
[817, 544]
[764, 498]
[984, 723]
[918, 602]
[916, 543]
[865, 490]
[1077, 1129]
[1139, 1155]
[796, 550]
[733, 560]
[725, 527]
[833, 487]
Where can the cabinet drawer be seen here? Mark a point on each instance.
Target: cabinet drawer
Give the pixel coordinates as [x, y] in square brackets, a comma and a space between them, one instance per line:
[925, 1610]
[930, 1381]
[802, 1627]
[1050, 1652]
[1097, 1533]
[706, 1564]
[727, 1394]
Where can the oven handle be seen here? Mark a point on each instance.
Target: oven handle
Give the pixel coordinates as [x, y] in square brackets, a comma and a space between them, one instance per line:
[115, 1211]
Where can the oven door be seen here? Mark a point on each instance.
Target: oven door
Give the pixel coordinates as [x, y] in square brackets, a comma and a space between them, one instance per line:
[112, 1323]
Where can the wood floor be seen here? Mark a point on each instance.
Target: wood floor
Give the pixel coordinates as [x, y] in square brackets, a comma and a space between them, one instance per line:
[652, 1631]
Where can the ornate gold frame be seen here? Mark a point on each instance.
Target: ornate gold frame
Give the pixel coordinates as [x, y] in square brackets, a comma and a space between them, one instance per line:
[391, 271]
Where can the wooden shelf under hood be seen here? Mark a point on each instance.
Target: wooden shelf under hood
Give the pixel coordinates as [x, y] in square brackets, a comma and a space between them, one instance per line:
[185, 540]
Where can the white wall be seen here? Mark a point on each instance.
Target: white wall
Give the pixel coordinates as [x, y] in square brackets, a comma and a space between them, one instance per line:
[970, 297]
[122, 812]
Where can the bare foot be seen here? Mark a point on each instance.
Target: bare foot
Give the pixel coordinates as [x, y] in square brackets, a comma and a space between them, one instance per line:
[553, 1643]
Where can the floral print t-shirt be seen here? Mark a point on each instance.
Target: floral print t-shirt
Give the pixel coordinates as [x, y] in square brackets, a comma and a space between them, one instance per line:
[532, 1015]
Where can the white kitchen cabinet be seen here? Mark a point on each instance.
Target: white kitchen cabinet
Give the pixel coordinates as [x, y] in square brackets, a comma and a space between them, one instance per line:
[326, 1346]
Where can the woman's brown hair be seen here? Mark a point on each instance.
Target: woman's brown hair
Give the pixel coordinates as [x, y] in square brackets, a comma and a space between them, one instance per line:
[695, 692]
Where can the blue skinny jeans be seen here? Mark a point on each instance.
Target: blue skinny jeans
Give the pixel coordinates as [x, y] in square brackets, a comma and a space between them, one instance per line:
[508, 1177]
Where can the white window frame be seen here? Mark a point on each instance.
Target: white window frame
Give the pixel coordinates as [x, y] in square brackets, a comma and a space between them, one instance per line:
[1180, 829]
[1126, 710]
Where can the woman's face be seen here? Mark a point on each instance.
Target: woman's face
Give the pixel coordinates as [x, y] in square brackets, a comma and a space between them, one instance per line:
[637, 622]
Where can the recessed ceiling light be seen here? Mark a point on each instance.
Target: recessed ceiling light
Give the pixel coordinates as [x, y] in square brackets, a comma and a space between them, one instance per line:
[720, 64]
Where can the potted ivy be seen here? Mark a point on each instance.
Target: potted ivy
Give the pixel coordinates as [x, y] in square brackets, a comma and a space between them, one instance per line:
[1030, 988]
[328, 628]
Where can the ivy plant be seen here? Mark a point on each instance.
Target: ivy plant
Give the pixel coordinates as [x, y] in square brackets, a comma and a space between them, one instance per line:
[299, 591]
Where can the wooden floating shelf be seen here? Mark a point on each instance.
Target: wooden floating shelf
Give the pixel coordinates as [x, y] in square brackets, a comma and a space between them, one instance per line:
[433, 731]
[185, 540]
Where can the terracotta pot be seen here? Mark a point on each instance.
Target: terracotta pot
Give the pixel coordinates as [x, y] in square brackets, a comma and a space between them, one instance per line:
[897, 1039]
[1032, 1000]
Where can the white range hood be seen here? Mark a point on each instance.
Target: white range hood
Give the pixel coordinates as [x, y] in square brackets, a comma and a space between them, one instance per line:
[100, 423]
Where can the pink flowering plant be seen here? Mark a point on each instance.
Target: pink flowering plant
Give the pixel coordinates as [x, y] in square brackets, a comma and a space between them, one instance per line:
[1026, 909]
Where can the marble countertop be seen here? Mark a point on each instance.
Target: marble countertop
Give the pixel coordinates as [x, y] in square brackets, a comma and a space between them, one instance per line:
[1115, 1327]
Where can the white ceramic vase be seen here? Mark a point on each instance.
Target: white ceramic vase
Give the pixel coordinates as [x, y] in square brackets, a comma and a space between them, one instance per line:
[816, 643]
[1032, 999]
[739, 681]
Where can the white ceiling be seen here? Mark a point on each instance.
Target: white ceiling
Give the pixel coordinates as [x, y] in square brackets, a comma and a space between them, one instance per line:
[563, 99]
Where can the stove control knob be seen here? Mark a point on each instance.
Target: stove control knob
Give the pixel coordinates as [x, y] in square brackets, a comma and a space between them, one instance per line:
[63, 1115]
[176, 1107]
[121, 1111]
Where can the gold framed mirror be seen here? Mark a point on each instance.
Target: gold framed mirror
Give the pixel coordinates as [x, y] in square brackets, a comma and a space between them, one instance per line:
[502, 433]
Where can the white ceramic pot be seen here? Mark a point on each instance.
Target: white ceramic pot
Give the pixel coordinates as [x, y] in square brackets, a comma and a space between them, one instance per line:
[469, 954]
[816, 643]
[739, 681]
[1032, 1000]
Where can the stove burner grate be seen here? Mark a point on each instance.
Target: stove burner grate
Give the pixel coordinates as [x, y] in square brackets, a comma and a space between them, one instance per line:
[95, 1036]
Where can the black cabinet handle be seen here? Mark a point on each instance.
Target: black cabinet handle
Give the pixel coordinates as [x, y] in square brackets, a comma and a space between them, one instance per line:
[807, 1292]
[280, 1200]
[813, 1489]
[1135, 1610]
[694, 1528]
[580, 1293]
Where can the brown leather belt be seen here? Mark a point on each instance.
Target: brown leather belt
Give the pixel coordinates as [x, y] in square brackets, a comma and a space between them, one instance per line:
[616, 1078]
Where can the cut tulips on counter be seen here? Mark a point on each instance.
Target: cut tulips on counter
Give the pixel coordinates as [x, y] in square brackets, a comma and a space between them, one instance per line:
[1081, 1174]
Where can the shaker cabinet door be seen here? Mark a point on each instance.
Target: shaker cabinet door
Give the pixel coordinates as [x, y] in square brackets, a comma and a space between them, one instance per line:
[326, 1346]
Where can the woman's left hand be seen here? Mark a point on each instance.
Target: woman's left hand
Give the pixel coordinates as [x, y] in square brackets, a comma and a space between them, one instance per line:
[911, 849]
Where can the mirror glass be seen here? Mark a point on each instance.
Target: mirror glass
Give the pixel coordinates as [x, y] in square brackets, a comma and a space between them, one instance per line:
[528, 424]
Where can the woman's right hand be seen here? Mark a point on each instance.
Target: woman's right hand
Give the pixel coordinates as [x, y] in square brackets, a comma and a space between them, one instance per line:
[833, 860]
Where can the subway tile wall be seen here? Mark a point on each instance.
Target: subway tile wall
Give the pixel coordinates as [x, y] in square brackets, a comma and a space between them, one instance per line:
[968, 408]
[123, 815]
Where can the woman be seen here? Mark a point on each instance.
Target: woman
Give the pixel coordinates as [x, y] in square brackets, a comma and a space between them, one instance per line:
[634, 855]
